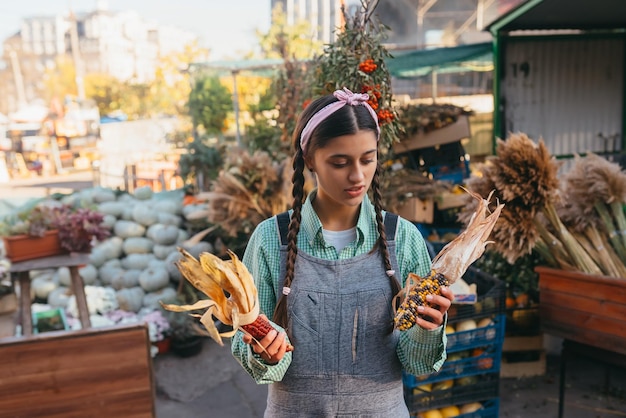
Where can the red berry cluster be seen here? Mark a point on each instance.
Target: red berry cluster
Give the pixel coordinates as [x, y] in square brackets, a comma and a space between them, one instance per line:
[384, 116]
[368, 66]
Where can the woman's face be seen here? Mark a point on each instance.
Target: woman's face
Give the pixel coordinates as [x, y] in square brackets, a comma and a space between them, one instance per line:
[345, 168]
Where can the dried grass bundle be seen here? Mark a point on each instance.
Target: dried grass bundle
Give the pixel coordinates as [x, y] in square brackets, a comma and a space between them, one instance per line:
[248, 190]
[600, 186]
[525, 170]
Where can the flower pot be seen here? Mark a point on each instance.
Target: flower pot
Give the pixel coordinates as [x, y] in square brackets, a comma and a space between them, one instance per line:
[585, 308]
[188, 347]
[26, 247]
[163, 345]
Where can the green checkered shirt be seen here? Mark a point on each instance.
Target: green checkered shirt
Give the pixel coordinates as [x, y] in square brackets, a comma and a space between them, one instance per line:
[420, 351]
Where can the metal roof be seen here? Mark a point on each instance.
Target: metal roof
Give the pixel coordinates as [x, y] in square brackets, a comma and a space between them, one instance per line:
[416, 63]
[563, 14]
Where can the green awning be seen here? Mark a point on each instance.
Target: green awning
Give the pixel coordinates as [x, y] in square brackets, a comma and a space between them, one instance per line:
[417, 63]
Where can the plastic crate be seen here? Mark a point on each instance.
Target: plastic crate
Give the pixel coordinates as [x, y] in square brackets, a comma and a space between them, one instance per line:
[491, 293]
[482, 388]
[492, 334]
[490, 409]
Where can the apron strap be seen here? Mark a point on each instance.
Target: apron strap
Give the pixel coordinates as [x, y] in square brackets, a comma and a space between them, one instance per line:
[391, 225]
[282, 221]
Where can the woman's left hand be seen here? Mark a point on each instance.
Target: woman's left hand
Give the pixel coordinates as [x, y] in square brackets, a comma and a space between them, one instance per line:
[432, 316]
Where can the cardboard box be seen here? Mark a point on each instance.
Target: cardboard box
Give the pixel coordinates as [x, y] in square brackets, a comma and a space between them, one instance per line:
[447, 200]
[417, 210]
[450, 133]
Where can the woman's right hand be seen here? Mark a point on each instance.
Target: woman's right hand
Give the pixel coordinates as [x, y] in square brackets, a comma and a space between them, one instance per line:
[271, 348]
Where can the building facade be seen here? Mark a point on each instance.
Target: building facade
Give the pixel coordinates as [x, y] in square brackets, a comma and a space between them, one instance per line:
[120, 44]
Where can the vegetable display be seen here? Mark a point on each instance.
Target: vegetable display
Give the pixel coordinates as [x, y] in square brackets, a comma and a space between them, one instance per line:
[232, 296]
[449, 265]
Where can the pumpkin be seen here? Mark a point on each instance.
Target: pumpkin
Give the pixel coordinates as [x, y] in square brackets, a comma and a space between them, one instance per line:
[59, 297]
[109, 274]
[100, 195]
[137, 245]
[130, 299]
[137, 261]
[63, 276]
[127, 215]
[112, 208]
[152, 279]
[151, 300]
[127, 229]
[127, 279]
[42, 286]
[170, 206]
[201, 247]
[163, 251]
[143, 193]
[108, 221]
[170, 266]
[144, 214]
[163, 234]
[89, 273]
[97, 257]
[111, 247]
[169, 219]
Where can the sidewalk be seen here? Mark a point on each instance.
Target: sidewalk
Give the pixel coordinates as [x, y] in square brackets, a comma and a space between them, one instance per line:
[214, 385]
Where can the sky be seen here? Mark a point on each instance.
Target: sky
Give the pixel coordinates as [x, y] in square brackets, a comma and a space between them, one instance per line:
[226, 27]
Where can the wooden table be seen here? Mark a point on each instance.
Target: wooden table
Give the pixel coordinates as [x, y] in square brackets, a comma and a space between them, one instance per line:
[21, 271]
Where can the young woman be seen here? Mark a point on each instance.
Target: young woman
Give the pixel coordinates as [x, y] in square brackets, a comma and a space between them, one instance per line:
[328, 270]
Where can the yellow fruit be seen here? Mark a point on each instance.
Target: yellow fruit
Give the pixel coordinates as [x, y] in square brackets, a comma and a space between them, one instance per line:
[450, 329]
[444, 385]
[426, 387]
[471, 407]
[450, 411]
[433, 413]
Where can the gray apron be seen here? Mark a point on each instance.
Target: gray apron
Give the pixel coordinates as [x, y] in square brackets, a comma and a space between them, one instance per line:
[340, 321]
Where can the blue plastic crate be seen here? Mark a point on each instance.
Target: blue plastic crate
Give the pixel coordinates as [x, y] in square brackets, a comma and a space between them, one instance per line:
[492, 334]
[490, 409]
[482, 388]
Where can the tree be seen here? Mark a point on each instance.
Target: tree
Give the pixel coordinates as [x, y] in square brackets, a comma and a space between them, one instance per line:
[209, 104]
[60, 79]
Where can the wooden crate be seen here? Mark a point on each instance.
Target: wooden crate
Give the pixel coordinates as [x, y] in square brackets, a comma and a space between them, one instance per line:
[103, 372]
[585, 308]
[530, 345]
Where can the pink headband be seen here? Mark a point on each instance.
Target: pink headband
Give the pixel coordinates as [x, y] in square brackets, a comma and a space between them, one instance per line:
[346, 97]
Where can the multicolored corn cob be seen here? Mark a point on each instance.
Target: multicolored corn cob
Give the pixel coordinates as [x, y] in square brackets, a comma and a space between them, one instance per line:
[407, 312]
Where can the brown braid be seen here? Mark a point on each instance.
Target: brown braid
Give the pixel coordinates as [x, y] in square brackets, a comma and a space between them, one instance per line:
[280, 312]
[382, 236]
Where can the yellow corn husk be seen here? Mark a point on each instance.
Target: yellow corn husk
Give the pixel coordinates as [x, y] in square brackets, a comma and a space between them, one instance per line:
[449, 265]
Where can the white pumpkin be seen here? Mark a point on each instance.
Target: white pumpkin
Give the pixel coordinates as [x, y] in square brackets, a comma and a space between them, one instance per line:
[171, 266]
[63, 276]
[182, 235]
[151, 300]
[128, 279]
[144, 214]
[108, 274]
[127, 229]
[42, 286]
[127, 215]
[108, 221]
[143, 193]
[130, 299]
[137, 245]
[89, 273]
[152, 279]
[112, 208]
[170, 206]
[163, 234]
[59, 297]
[199, 248]
[163, 251]
[137, 261]
[101, 195]
[97, 257]
[169, 219]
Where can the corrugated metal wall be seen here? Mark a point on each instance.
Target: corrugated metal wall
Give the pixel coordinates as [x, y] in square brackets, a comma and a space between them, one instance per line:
[569, 91]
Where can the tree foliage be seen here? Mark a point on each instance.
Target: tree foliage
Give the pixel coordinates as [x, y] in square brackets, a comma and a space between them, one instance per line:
[209, 104]
[356, 60]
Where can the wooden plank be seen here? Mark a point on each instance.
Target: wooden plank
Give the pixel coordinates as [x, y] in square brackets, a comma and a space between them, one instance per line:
[591, 289]
[100, 372]
[585, 336]
[583, 320]
[598, 307]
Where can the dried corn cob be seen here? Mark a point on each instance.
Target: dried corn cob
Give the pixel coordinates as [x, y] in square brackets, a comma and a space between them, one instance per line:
[450, 264]
[406, 315]
[215, 277]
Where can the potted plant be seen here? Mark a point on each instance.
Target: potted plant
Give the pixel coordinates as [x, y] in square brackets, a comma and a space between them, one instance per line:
[186, 341]
[48, 228]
